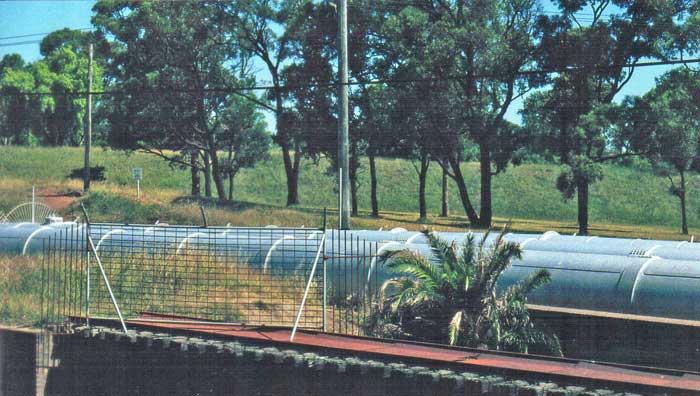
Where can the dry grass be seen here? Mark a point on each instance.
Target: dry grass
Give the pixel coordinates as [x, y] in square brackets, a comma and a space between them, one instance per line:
[203, 285]
[20, 289]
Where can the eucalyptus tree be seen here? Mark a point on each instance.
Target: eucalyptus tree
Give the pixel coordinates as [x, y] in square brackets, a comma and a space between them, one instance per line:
[243, 132]
[266, 30]
[665, 124]
[489, 44]
[465, 60]
[176, 67]
[596, 57]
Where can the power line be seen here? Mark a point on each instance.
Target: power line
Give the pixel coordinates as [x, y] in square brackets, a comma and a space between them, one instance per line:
[225, 90]
[41, 34]
[20, 43]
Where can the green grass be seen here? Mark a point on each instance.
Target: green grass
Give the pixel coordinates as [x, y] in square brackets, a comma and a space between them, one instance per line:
[627, 201]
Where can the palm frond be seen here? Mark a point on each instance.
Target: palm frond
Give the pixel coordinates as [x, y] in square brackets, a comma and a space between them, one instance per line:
[499, 259]
[445, 252]
[400, 284]
[532, 282]
[455, 327]
[415, 264]
[464, 267]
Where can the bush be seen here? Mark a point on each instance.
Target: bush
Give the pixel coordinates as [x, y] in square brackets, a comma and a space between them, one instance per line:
[97, 173]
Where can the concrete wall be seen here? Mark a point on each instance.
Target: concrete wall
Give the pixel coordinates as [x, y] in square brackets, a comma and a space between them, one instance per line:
[18, 362]
[103, 361]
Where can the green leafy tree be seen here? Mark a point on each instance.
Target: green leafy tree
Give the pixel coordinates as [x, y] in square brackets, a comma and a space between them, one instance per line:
[454, 299]
[60, 117]
[243, 130]
[176, 62]
[481, 47]
[15, 112]
[75, 39]
[267, 29]
[57, 116]
[598, 57]
[665, 124]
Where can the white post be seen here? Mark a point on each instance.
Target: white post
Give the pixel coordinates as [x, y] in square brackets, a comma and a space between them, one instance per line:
[104, 277]
[308, 286]
[325, 285]
[33, 204]
[87, 293]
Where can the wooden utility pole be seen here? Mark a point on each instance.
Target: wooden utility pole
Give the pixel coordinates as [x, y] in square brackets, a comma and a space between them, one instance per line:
[343, 115]
[88, 134]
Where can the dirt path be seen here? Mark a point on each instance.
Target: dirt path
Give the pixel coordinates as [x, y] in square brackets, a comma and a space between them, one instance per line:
[57, 198]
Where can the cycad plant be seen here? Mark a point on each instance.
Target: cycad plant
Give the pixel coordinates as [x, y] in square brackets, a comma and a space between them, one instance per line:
[453, 299]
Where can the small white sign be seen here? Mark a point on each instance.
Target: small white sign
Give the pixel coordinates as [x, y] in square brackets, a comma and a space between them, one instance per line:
[137, 173]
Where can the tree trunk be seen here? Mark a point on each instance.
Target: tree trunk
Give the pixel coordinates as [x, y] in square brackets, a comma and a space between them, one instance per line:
[485, 215]
[230, 173]
[230, 186]
[353, 193]
[422, 176]
[194, 168]
[463, 192]
[681, 195]
[582, 190]
[207, 175]
[373, 185]
[218, 177]
[354, 165]
[291, 168]
[445, 210]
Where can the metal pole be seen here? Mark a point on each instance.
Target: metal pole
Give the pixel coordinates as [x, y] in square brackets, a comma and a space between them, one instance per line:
[340, 199]
[325, 282]
[343, 116]
[308, 286]
[87, 293]
[88, 135]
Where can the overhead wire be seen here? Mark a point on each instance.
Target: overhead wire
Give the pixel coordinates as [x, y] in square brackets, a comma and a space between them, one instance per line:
[285, 87]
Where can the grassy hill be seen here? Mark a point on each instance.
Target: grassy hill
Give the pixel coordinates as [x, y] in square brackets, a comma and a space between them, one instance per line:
[627, 201]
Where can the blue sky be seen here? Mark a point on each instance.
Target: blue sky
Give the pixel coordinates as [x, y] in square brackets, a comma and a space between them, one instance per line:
[29, 17]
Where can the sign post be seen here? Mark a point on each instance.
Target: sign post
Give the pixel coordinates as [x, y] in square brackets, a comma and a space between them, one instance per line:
[137, 174]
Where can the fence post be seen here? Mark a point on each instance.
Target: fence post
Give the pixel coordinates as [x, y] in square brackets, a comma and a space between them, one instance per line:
[204, 215]
[33, 204]
[325, 282]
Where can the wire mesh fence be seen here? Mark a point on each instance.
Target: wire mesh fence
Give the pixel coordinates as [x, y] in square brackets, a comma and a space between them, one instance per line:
[352, 271]
[251, 276]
